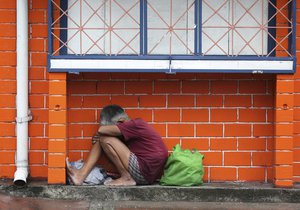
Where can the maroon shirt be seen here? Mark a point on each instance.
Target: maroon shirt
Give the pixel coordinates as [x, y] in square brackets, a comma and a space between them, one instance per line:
[147, 145]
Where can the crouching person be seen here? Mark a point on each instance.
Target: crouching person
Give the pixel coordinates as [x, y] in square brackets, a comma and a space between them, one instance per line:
[133, 146]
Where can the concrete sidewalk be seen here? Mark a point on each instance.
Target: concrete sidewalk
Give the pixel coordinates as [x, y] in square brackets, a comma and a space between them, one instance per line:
[210, 192]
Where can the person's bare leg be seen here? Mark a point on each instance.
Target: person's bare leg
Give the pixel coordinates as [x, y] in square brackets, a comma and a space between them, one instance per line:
[119, 154]
[78, 175]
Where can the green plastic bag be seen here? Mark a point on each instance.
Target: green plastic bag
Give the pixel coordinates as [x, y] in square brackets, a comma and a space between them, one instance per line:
[183, 168]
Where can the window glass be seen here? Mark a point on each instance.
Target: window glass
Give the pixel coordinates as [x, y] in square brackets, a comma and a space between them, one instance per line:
[171, 27]
[235, 27]
[104, 27]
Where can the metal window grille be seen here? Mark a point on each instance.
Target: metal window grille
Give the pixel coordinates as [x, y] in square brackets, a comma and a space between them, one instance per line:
[172, 29]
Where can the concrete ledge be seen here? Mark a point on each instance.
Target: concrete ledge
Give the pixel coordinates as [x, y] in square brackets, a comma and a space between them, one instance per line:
[222, 192]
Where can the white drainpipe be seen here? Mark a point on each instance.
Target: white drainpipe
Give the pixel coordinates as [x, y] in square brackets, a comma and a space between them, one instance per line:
[23, 115]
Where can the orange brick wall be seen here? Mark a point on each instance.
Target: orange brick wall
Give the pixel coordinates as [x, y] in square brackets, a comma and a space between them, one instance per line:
[246, 125]
[228, 117]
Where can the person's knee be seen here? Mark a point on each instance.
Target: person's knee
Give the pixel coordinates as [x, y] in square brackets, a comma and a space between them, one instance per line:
[106, 141]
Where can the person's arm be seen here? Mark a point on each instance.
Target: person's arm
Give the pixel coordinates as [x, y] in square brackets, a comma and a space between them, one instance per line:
[109, 130]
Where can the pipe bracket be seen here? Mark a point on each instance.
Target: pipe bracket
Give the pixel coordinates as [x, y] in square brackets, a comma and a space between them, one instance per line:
[24, 119]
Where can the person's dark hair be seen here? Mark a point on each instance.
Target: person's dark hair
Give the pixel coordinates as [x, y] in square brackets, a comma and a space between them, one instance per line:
[111, 114]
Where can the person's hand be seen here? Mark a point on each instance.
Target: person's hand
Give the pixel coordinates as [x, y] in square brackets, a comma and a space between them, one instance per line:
[95, 138]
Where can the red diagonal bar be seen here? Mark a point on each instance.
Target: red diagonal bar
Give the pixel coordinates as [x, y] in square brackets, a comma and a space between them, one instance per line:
[64, 43]
[158, 14]
[215, 12]
[95, 12]
[183, 14]
[158, 42]
[216, 43]
[128, 43]
[126, 12]
[247, 11]
[247, 42]
[182, 42]
[64, 13]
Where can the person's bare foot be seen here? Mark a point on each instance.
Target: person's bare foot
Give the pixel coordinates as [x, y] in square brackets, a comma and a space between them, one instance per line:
[75, 175]
[121, 182]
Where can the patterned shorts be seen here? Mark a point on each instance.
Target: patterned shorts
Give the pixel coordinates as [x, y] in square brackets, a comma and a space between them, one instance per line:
[134, 170]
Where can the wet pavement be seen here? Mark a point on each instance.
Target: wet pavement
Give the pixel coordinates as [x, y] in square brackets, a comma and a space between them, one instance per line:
[8, 202]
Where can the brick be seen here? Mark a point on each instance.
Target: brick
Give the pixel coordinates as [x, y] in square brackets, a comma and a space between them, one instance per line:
[7, 44]
[96, 76]
[252, 115]
[181, 76]
[37, 73]
[223, 144]
[57, 87]
[263, 130]
[39, 87]
[171, 142]
[38, 143]
[38, 172]
[36, 130]
[36, 157]
[7, 115]
[284, 86]
[209, 101]
[37, 16]
[57, 102]
[8, 30]
[253, 86]
[252, 143]
[237, 158]
[283, 183]
[111, 87]
[166, 115]
[7, 129]
[80, 144]
[7, 16]
[296, 169]
[57, 76]
[223, 115]
[145, 114]
[38, 59]
[152, 101]
[36, 101]
[82, 87]
[75, 130]
[283, 129]
[94, 101]
[286, 115]
[7, 101]
[283, 158]
[224, 87]
[212, 158]
[285, 101]
[86, 115]
[57, 160]
[223, 174]
[57, 132]
[283, 172]
[90, 130]
[7, 87]
[263, 101]
[56, 175]
[8, 143]
[4, 4]
[7, 73]
[125, 100]
[180, 130]
[57, 117]
[39, 30]
[237, 101]
[200, 86]
[135, 87]
[181, 101]
[125, 75]
[7, 157]
[296, 156]
[36, 45]
[281, 143]
[238, 130]
[262, 158]
[195, 143]
[160, 128]
[40, 115]
[209, 130]
[195, 115]
[252, 174]
[77, 102]
[7, 171]
[8, 59]
[167, 87]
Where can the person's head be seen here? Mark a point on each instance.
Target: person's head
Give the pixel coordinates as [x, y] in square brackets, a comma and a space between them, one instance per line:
[112, 114]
